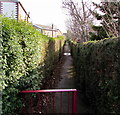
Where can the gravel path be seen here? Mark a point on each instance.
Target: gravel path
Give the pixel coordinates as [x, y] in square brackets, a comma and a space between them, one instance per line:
[68, 82]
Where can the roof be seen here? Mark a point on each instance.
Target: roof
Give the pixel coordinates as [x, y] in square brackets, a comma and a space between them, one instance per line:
[36, 26]
[44, 27]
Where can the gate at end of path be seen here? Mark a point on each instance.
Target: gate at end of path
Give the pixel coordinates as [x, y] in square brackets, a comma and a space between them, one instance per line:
[43, 101]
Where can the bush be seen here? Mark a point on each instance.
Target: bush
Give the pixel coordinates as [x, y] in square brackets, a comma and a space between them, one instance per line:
[24, 58]
[98, 73]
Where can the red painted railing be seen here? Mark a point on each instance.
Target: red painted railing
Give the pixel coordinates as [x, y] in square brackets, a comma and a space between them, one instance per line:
[44, 101]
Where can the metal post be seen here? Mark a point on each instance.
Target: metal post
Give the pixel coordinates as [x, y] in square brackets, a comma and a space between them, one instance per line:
[74, 102]
[53, 103]
[31, 104]
[38, 104]
[68, 102]
[23, 103]
[60, 102]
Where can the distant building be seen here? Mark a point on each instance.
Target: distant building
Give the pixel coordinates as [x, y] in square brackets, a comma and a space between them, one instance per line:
[48, 30]
[14, 9]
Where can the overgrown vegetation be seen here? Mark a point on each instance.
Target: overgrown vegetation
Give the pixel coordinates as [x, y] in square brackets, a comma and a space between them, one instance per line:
[97, 66]
[109, 16]
[27, 57]
[92, 21]
[98, 34]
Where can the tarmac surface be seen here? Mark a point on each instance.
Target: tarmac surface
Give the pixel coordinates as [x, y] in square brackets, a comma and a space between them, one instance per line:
[62, 105]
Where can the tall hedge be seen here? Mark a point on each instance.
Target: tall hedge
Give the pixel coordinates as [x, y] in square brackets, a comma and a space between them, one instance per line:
[26, 56]
[98, 73]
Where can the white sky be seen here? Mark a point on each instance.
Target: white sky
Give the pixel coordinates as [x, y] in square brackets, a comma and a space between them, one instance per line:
[46, 12]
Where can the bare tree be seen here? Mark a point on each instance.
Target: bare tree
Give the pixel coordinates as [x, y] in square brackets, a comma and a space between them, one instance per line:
[80, 19]
[109, 16]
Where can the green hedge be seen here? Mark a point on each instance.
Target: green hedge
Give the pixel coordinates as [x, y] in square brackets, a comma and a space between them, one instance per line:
[26, 58]
[97, 66]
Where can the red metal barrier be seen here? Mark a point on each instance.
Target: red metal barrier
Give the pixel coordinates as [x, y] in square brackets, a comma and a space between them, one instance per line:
[45, 100]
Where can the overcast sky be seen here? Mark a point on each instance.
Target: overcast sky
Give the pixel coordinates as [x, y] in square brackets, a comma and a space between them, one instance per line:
[46, 12]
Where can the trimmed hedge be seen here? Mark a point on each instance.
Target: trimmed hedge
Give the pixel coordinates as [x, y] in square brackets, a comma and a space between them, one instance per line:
[27, 57]
[97, 66]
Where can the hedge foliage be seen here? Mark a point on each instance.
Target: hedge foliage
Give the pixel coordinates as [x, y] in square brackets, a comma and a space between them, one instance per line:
[26, 58]
[97, 66]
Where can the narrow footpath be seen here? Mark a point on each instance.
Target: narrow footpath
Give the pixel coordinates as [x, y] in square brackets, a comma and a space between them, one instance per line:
[68, 82]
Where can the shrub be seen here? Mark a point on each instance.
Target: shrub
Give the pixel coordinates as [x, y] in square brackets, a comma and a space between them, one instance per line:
[97, 67]
[24, 58]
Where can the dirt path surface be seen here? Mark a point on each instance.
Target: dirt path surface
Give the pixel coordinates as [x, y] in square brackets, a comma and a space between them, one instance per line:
[68, 82]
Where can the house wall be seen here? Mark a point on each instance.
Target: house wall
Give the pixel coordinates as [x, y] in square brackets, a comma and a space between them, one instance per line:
[9, 9]
[21, 14]
[13, 9]
[58, 33]
[50, 34]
